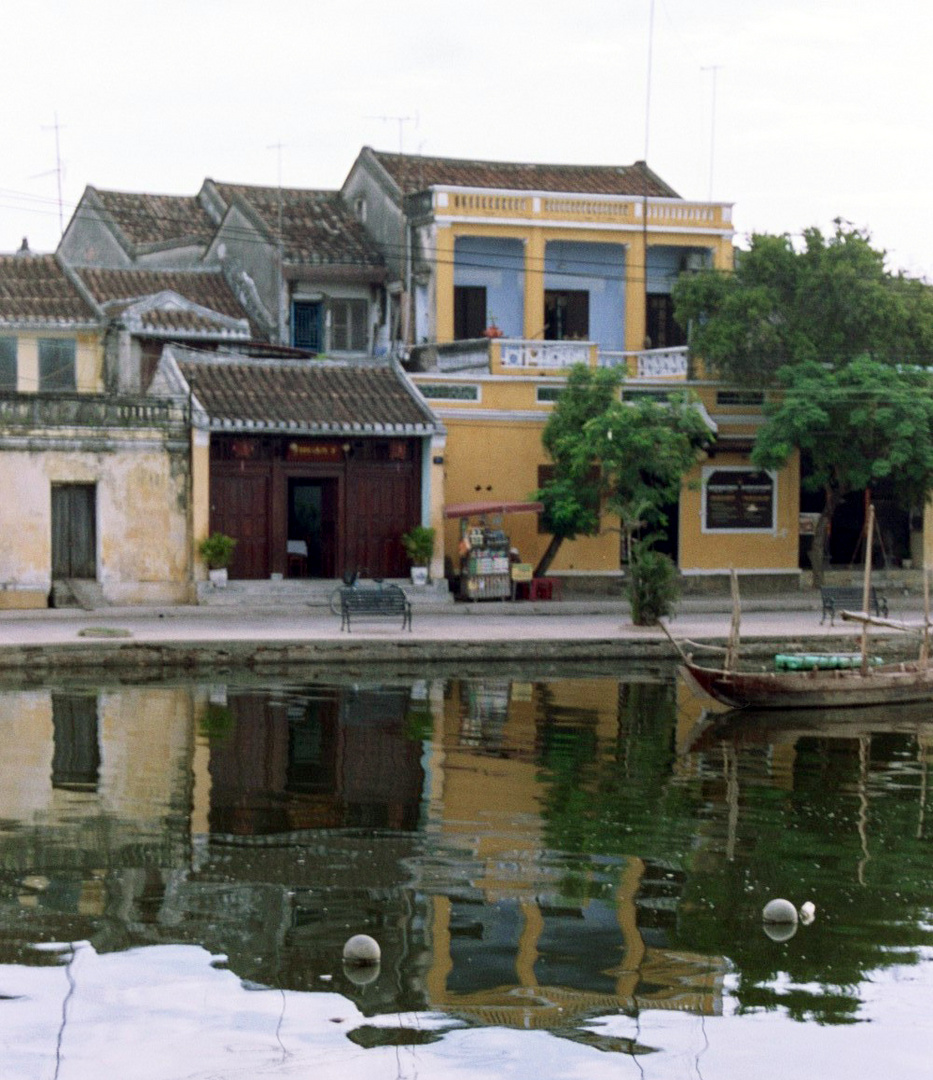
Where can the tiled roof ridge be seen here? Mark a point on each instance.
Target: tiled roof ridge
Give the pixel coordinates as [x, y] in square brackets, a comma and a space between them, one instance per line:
[633, 171]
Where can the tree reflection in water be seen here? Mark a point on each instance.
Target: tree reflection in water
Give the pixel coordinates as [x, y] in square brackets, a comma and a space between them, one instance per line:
[528, 852]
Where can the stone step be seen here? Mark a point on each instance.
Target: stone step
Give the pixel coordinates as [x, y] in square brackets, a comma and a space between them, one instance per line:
[308, 592]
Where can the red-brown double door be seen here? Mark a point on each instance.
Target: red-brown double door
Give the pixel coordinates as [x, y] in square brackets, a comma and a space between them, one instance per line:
[349, 518]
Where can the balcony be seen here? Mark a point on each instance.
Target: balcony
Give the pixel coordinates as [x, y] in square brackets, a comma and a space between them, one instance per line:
[507, 356]
[629, 211]
[23, 411]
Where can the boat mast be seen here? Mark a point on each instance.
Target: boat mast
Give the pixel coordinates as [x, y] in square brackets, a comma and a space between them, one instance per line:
[866, 589]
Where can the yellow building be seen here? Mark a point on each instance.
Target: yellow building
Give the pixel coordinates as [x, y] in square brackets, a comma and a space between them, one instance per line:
[510, 273]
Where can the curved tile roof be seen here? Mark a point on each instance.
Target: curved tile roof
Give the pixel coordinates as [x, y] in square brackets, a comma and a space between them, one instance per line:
[314, 396]
[208, 289]
[413, 173]
[34, 289]
[157, 219]
[318, 228]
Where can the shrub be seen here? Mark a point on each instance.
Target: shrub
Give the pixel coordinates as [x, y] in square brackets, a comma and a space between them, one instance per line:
[217, 550]
[653, 584]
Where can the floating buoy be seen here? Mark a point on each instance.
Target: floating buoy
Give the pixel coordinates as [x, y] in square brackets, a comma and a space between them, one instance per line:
[362, 950]
[779, 911]
[807, 912]
[779, 931]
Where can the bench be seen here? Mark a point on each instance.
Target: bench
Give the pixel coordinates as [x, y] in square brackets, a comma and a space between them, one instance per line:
[849, 598]
[381, 601]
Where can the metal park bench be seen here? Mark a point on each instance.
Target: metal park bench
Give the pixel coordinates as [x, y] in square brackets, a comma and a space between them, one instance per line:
[838, 598]
[382, 601]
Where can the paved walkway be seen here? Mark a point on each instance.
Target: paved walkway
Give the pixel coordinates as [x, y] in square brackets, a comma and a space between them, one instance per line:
[794, 616]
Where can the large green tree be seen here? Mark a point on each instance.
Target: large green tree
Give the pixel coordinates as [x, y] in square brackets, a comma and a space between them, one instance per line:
[846, 340]
[858, 425]
[625, 458]
[828, 299]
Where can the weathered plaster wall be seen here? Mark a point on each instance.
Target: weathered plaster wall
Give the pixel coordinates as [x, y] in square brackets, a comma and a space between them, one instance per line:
[141, 507]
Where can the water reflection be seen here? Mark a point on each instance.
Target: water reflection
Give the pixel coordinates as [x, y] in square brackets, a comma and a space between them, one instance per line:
[529, 853]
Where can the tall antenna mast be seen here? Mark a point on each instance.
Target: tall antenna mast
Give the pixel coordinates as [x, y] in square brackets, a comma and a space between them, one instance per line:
[58, 173]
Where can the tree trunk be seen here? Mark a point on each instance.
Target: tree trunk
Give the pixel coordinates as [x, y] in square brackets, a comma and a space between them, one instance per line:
[550, 554]
[818, 547]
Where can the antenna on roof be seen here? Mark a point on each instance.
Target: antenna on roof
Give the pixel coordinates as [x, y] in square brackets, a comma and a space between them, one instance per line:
[56, 127]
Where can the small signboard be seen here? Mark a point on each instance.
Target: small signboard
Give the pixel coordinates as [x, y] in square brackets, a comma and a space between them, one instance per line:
[522, 571]
[306, 450]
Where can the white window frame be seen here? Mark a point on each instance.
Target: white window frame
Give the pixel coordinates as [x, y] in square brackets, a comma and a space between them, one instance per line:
[708, 471]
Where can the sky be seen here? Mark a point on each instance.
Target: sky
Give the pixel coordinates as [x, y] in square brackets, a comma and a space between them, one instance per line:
[797, 112]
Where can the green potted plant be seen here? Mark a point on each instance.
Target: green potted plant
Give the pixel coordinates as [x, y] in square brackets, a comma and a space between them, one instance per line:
[217, 551]
[419, 547]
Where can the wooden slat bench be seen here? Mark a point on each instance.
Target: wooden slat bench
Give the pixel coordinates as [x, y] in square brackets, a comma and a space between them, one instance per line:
[366, 602]
[838, 598]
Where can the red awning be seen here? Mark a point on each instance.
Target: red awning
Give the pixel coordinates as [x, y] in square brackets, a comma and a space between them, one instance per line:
[481, 509]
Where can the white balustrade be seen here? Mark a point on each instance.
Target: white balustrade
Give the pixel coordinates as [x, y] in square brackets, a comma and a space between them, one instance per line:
[544, 354]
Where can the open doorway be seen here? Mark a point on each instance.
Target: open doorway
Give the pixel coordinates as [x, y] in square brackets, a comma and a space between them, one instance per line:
[312, 527]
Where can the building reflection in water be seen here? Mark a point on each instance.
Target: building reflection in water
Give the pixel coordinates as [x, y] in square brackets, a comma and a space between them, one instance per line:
[267, 823]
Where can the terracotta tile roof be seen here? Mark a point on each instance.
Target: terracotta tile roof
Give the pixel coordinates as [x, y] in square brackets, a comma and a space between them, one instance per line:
[35, 290]
[209, 290]
[310, 396]
[157, 220]
[318, 228]
[414, 173]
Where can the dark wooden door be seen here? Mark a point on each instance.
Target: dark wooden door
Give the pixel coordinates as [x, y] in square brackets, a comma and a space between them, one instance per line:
[74, 531]
[240, 508]
[383, 508]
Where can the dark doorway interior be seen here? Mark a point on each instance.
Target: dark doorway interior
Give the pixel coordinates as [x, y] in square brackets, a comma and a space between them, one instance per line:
[662, 329]
[566, 314]
[312, 521]
[469, 311]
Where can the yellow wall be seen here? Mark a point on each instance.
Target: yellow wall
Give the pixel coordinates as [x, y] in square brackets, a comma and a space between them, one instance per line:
[89, 361]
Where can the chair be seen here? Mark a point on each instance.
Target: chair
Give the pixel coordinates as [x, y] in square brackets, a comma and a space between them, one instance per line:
[297, 556]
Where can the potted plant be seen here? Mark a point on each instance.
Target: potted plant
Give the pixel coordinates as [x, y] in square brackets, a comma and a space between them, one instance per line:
[217, 551]
[419, 547]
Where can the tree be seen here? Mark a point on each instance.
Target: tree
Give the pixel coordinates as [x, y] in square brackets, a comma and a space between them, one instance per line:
[571, 495]
[626, 458]
[846, 339]
[830, 300]
[857, 425]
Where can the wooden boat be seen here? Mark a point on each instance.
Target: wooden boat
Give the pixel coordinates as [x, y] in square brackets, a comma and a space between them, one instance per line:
[866, 684]
[887, 684]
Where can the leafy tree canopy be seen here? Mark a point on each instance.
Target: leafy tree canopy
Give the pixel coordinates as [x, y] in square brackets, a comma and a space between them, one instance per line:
[829, 300]
[858, 424]
[625, 457]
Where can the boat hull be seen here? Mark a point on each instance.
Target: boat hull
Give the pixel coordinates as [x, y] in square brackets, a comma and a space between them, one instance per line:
[818, 689]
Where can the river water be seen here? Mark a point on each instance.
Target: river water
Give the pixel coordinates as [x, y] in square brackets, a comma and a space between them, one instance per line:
[564, 869]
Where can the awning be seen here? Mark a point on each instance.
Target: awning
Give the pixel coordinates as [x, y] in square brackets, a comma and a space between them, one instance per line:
[481, 509]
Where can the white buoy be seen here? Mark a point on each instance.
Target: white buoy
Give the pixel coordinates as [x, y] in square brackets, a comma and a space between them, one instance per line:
[779, 931]
[362, 950]
[807, 912]
[779, 911]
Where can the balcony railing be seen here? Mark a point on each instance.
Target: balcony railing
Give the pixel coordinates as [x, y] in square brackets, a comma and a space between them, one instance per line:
[610, 209]
[650, 363]
[538, 355]
[90, 411]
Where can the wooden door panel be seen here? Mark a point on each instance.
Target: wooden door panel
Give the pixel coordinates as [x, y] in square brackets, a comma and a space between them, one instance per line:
[240, 508]
[74, 531]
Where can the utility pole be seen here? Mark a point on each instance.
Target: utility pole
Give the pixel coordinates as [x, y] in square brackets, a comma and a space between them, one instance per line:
[644, 210]
[714, 68]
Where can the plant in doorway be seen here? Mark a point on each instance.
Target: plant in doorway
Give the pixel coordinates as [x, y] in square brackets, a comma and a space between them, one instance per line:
[217, 551]
[419, 547]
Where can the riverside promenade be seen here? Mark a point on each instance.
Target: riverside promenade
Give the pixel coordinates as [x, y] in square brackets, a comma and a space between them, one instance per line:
[206, 638]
